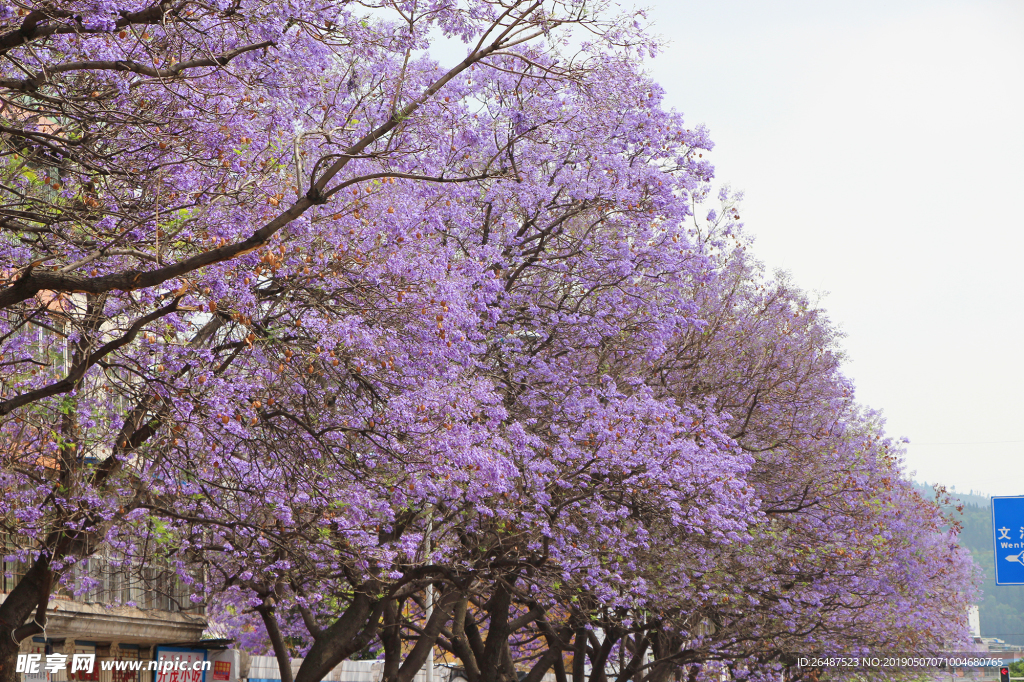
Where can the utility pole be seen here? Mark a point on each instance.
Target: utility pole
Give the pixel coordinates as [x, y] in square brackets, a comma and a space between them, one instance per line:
[429, 596]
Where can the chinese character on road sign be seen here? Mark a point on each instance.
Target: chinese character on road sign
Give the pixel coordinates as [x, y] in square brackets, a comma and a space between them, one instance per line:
[1008, 513]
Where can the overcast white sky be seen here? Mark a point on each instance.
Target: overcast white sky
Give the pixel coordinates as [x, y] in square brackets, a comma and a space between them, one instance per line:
[881, 148]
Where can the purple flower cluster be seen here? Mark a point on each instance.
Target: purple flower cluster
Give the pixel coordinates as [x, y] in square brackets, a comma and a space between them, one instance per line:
[398, 356]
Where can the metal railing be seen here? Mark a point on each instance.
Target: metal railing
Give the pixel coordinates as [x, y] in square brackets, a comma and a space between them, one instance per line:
[102, 580]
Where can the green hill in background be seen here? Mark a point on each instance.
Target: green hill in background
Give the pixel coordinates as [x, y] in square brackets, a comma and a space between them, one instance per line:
[1001, 607]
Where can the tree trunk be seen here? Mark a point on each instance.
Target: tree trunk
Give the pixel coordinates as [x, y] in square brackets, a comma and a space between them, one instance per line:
[391, 638]
[284, 663]
[347, 635]
[579, 655]
[443, 608]
[32, 593]
[497, 635]
[460, 641]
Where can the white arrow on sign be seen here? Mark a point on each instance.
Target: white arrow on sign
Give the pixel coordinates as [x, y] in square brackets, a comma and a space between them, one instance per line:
[1019, 558]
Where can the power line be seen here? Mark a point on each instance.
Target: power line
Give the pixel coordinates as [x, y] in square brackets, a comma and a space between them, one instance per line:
[979, 442]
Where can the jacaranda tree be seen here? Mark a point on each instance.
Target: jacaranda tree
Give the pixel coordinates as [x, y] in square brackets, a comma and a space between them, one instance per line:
[358, 334]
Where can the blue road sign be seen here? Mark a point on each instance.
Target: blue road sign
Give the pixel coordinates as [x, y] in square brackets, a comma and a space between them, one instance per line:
[1008, 535]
